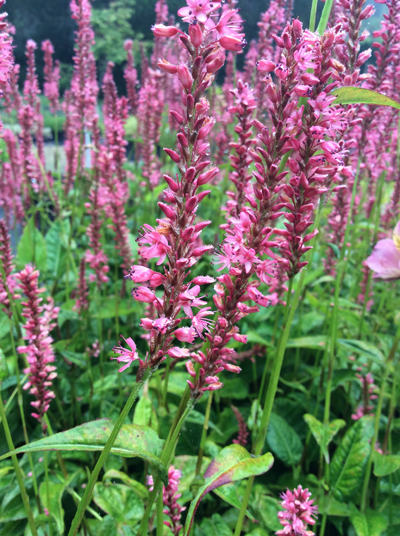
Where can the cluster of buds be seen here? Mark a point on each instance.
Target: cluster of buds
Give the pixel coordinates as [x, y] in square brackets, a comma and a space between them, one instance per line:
[243, 431]
[368, 389]
[298, 512]
[7, 280]
[6, 55]
[51, 76]
[243, 109]
[39, 351]
[170, 500]
[176, 238]
[82, 301]
[130, 75]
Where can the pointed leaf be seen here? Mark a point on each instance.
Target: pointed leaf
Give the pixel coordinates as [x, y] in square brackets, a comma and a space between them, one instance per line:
[350, 459]
[132, 441]
[284, 441]
[385, 465]
[370, 523]
[228, 493]
[232, 463]
[359, 95]
[53, 505]
[118, 500]
[32, 248]
[140, 490]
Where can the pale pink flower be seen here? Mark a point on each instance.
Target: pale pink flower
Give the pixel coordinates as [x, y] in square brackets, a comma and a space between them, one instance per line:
[384, 260]
[198, 9]
[125, 355]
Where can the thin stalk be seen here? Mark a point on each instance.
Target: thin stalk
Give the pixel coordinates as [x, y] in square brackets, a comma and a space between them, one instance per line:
[104, 454]
[378, 413]
[313, 15]
[160, 514]
[18, 472]
[166, 457]
[165, 384]
[46, 473]
[204, 434]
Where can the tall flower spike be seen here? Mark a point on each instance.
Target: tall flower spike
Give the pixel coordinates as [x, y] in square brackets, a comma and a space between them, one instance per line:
[243, 432]
[84, 85]
[82, 302]
[298, 512]
[7, 278]
[51, 76]
[6, 55]
[130, 75]
[368, 389]
[39, 351]
[176, 236]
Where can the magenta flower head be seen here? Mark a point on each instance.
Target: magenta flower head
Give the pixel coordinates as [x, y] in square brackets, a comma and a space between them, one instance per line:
[384, 260]
[198, 10]
[298, 512]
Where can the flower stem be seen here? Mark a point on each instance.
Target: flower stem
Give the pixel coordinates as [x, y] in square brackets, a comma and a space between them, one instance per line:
[104, 454]
[204, 434]
[18, 472]
[160, 514]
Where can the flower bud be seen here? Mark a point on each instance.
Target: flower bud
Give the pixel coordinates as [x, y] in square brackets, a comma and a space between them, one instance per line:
[164, 31]
[166, 66]
[173, 155]
[196, 35]
[233, 43]
[265, 66]
[171, 183]
[185, 77]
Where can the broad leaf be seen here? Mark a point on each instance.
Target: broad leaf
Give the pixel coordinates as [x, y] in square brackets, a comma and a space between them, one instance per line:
[316, 342]
[370, 523]
[32, 248]
[118, 500]
[350, 459]
[214, 526]
[228, 493]
[132, 441]
[284, 441]
[323, 434]
[53, 505]
[145, 414]
[385, 465]
[140, 490]
[359, 95]
[232, 463]
[56, 237]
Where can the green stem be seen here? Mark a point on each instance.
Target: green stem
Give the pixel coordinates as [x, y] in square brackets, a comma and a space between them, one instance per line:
[313, 15]
[166, 457]
[46, 473]
[160, 514]
[204, 434]
[18, 472]
[104, 454]
[378, 413]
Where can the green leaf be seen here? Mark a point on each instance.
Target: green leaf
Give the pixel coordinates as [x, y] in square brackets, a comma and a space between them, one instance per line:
[385, 465]
[145, 414]
[32, 248]
[118, 500]
[350, 459]
[372, 523]
[141, 491]
[364, 348]
[284, 441]
[323, 22]
[323, 433]
[53, 242]
[228, 493]
[132, 441]
[3, 366]
[359, 95]
[215, 526]
[268, 507]
[54, 507]
[232, 463]
[253, 336]
[316, 342]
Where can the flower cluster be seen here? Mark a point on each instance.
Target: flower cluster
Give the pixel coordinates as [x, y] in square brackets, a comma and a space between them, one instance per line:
[6, 56]
[297, 514]
[39, 351]
[243, 109]
[51, 76]
[177, 234]
[130, 75]
[7, 278]
[170, 500]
